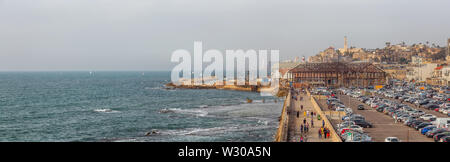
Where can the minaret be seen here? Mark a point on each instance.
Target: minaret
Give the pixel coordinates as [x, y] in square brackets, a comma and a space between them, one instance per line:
[448, 47]
[345, 44]
[447, 58]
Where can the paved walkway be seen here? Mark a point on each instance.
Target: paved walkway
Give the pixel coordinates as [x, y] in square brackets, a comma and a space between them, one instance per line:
[295, 122]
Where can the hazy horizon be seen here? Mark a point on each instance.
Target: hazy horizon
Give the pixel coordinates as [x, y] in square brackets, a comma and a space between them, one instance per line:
[101, 35]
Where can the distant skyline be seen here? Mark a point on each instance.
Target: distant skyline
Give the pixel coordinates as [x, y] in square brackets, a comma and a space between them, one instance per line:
[140, 35]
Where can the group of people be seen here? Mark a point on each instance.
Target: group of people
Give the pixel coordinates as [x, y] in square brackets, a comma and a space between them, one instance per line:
[324, 133]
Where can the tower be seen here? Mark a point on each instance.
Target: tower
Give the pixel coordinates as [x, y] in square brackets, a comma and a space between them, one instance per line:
[345, 44]
[448, 47]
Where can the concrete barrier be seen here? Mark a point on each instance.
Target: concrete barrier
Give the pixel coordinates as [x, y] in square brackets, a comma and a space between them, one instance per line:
[281, 135]
[334, 136]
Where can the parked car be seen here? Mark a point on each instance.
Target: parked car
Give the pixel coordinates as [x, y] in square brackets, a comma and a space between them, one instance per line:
[426, 129]
[433, 132]
[437, 137]
[363, 123]
[391, 139]
[445, 139]
[427, 117]
[422, 125]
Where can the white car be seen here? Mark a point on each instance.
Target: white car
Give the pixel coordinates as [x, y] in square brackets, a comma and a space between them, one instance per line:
[391, 139]
[374, 104]
[357, 128]
[340, 109]
[445, 111]
[346, 123]
[427, 117]
[445, 105]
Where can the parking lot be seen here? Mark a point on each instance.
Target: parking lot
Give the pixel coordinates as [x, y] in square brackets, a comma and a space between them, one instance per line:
[437, 114]
[404, 112]
[383, 125]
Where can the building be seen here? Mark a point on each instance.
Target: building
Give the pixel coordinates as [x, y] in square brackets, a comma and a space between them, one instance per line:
[416, 60]
[436, 78]
[337, 74]
[419, 73]
[446, 76]
[395, 71]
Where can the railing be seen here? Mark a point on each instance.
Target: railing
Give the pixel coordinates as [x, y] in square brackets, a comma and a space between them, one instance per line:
[281, 135]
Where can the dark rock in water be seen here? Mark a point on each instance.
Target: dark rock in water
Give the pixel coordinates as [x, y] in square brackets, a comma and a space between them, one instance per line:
[153, 132]
[170, 86]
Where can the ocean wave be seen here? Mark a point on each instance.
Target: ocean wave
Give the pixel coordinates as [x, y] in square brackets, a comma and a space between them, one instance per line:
[214, 130]
[195, 112]
[106, 111]
[150, 88]
[199, 131]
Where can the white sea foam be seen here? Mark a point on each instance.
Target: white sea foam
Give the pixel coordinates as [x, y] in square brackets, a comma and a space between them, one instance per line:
[214, 130]
[196, 112]
[106, 111]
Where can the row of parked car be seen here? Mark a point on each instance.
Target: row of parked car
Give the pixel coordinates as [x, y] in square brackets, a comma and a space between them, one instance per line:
[351, 127]
[420, 96]
[437, 128]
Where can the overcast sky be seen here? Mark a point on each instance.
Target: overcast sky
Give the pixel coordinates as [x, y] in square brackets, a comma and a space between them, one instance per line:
[142, 34]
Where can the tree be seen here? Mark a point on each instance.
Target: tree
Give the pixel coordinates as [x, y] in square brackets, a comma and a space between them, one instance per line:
[403, 61]
[439, 56]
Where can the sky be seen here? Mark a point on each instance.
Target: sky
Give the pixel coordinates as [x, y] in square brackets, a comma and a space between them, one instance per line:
[142, 34]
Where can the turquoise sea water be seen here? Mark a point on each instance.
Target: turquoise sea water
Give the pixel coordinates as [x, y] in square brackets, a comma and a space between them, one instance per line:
[123, 106]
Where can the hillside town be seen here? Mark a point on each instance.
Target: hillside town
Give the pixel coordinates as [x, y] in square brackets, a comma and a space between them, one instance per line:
[426, 63]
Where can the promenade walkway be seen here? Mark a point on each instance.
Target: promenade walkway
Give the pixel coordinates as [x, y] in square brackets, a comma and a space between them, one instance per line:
[295, 122]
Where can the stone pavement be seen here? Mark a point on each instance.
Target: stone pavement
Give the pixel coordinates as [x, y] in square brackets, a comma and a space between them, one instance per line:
[294, 123]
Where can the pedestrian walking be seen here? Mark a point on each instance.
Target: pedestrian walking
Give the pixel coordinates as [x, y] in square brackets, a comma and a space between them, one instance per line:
[323, 123]
[307, 113]
[301, 107]
[312, 114]
[312, 123]
[304, 120]
[328, 134]
[298, 114]
[301, 138]
[323, 134]
[304, 113]
[320, 134]
[301, 128]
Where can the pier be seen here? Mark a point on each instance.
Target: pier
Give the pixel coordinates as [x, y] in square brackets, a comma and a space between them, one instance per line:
[293, 116]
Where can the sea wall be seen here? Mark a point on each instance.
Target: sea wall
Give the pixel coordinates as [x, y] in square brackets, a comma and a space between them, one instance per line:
[281, 135]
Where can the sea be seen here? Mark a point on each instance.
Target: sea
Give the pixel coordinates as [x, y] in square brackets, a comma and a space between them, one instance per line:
[128, 106]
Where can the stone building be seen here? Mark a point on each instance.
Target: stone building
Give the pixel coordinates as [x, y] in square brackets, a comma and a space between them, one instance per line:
[337, 74]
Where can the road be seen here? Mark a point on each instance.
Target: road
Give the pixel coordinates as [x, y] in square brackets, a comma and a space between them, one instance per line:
[384, 125]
